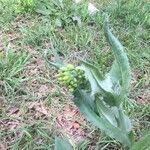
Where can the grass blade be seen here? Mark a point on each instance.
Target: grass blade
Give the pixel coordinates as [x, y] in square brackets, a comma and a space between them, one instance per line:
[143, 144]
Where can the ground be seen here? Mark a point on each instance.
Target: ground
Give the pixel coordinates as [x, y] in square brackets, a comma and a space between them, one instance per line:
[33, 106]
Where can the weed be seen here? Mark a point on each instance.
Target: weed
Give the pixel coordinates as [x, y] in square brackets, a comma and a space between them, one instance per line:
[11, 65]
[68, 28]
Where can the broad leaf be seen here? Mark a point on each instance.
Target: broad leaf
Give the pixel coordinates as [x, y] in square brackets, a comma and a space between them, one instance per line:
[107, 112]
[98, 85]
[94, 69]
[61, 144]
[90, 100]
[123, 121]
[122, 66]
[94, 87]
[115, 74]
[100, 122]
[114, 115]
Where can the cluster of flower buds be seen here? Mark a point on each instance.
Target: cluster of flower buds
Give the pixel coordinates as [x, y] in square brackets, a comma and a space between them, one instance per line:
[71, 77]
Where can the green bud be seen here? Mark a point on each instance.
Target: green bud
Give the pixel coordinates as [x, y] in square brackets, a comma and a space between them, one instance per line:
[66, 78]
[71, 90]
[70, 86]
[66, 73]
[75, 80]
[74, 71]
[80, 76]
[70, 67]
[75, 85]
[72, 82]
[78, 68]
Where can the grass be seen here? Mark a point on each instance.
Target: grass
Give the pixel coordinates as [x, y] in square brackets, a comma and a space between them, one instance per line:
[11, 64]
[68, 27]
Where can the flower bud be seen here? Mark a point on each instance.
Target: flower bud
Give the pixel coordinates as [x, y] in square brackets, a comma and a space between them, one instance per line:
[75, 85]
[71, 90]
[70, 67]
[66, 78]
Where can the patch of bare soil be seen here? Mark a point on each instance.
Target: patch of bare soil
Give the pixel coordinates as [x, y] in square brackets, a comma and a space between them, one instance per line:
[71, 124]
[141, 95]
[2, 146]
[38, 110]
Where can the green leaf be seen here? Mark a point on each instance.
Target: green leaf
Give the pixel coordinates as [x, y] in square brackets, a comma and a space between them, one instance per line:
[106, 112]
[143, 144]
[103, 124]
[124, 121]
[89, 100]
[83, 145]
[61, 144]
[94, 69]
[115, 74]
[122, 63]
[99, 85]
[94, 76]
[88, 68]
[114, 115]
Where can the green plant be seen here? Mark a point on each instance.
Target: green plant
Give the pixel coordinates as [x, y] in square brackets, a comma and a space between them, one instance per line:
[71, 77]
[24, 6]
[62, 13]
[101, 98]
[102, 104]
[11, 64]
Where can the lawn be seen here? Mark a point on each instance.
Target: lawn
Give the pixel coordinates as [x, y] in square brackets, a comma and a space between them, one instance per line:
[34, 108]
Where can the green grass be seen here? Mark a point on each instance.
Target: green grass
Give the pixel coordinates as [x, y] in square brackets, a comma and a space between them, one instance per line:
[69, 29]
[11, 64]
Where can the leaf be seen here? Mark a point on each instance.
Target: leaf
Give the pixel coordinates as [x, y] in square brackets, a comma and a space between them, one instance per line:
[89, 100]
[96, 78]
[124, 121]
[94, 69]
[115, 73]
[143, 144]
[101, 123]
[99, 85]
[122, 63]
[91, 72]
[61, 144]
[107, 112]
[114, 115]
[58, 62]
[89, 76]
